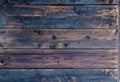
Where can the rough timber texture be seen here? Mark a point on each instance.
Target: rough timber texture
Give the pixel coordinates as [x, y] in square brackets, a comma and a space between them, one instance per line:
[92, 53]
[59, 38]
[2, 38]
[72, 58]
[61, 75]
[72, 2]
[60, 16]
[1, 16]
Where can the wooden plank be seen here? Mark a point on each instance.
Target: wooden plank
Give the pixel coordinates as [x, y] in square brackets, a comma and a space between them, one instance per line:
[1, 16]
[2, 38]
[61, 16]
[35, 2]
[70, 58]
[59, 75]
[1, 60]
[119, 41]
[61, 38]
[58, 38]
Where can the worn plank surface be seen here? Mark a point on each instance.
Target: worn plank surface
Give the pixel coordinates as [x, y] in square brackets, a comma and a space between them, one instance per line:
[72, 58]
[60, 16]
[58, 75]
[96, 60]
[1, 1]
[72, 2]
[1, 16]
[60, 38]
[2, 38]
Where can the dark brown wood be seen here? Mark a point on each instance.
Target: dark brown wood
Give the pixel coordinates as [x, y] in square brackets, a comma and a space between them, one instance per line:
[72, 2]
[60, 38]
[72, 58]
[27, 16]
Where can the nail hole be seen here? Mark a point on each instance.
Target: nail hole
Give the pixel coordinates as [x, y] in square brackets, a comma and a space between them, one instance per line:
[110, 24]
[65, 44]
[39, 45]
[2, 62]
[103, 56]
[76, 10]
[54, 37]
[71, 56]
[110, 8]
[53, 45]
[87, 37]
[37, 31]
[58, 62]
[1, 45]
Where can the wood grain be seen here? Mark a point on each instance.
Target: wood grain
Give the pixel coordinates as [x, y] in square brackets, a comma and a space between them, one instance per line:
[1, 16]
[35, 2]
[61, 38]
[59, 55]
[22, 16]
[70, 58]
[58, 75]
[2, 38]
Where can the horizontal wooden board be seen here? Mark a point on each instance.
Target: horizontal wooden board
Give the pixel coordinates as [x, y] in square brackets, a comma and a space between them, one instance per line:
[60, 38]
[58, 75]
[35, 2]
[60, 16]
[69, 58]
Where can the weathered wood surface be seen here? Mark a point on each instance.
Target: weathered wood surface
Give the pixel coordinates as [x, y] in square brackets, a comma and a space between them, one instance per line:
[2, 38]
[60, 38]
[1, 1]
[72, 2]
[1, 16]
[72, 58]
[58, 75]
[60, 16]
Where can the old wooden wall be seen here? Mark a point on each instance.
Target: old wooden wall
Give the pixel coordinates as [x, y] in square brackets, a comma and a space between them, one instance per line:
[59, 41]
